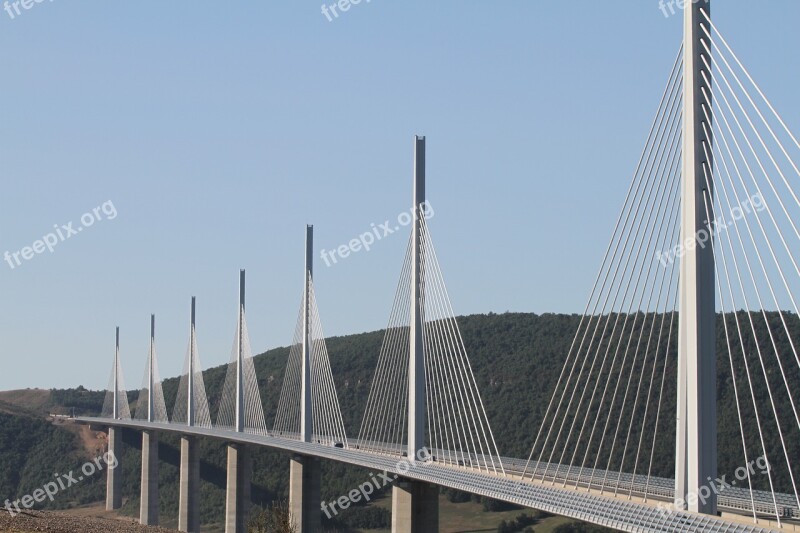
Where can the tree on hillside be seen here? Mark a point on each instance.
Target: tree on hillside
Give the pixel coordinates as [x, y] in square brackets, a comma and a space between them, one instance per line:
[277, 519]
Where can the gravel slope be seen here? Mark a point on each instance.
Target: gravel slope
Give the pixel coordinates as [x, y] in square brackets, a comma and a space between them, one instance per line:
[53, 522]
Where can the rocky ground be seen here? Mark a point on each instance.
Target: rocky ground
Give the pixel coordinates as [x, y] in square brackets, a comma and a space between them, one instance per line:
[53, 522]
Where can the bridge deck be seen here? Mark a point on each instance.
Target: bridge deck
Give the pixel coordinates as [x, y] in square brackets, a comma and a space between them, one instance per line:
[604, 510]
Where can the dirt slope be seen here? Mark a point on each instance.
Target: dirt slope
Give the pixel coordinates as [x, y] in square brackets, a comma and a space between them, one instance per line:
[52, 522]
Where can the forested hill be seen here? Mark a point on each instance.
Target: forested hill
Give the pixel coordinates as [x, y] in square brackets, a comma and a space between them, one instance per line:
[517, 359]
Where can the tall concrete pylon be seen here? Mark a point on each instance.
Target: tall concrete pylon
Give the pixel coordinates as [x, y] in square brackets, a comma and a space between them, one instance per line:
[239, 424]
[305, 472]
[416, 369]
[148, 502]
[190, 407]
[189, 497]
[306, 412]
[114, 475]
[415, 504]
[151, 371]
[240, 465]
[696, 436]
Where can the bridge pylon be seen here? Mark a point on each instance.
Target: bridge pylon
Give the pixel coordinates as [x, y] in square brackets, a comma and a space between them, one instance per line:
[112, 403]
[415, 504]
[305, 473]
[194, 411]
[240, 465]
[306, 413]
[696, 435]
[148, 502]
[416, 361]
[239, 410]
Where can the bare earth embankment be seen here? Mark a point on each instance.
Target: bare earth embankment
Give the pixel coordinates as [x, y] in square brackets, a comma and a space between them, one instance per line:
[56, 522]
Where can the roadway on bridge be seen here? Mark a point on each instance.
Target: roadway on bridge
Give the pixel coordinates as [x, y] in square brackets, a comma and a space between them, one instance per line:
[624, 515]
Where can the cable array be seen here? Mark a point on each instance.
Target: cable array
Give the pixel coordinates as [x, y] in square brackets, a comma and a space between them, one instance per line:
[180, 414]
[328, 426]
[287, 419]
[121, 396]
[458, 430]
[383, 428]
[143, 404]
[604, 415]
[756, 245]
[253, 409]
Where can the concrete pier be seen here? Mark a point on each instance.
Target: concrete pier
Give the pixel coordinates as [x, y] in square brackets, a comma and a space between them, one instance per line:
[237, 499]
[304, 493]
[189, 503]
[415, 507]
[113, 475]
[148, 510]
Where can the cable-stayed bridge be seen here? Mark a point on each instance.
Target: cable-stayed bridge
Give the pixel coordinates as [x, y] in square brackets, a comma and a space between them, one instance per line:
[695, 294]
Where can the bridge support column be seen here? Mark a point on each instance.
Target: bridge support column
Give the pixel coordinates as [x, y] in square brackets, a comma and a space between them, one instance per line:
[148, 510]
[189, 504]
[416, 362]
[237, 499]
[696, 434]
[113, 475]
[305, 476]
[415, 507]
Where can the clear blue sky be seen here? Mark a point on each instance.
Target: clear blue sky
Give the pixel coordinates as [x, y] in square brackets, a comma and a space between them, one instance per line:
[219, 129]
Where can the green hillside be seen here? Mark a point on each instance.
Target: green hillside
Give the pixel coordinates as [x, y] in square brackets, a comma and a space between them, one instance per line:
[517, 359]
[32, 451]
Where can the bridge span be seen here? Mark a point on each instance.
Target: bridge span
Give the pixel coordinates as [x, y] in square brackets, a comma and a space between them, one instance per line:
[685, 293]
[625, 515]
